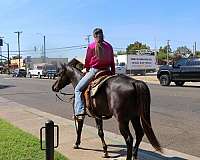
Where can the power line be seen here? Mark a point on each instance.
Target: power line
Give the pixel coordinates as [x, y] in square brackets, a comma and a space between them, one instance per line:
[61, 48]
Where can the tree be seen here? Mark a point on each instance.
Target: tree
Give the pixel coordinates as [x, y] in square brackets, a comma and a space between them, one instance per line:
[183, 51]
[16, 57]
[121, 52]
[198, 53]
[133, 48]
[162, 54]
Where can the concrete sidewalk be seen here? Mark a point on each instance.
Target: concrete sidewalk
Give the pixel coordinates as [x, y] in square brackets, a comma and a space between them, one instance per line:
[31, 120]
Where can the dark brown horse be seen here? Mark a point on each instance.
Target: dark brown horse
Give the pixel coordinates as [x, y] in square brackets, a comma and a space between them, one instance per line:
[126, 98]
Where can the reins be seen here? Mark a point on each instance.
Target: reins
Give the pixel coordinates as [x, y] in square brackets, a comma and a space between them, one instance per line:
[66, 94]
[72, 98]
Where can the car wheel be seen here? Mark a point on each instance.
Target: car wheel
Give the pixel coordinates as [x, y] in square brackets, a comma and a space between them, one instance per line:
[164, 80]
[179, 83]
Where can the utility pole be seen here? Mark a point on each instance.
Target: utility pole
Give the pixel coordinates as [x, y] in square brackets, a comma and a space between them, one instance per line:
[18, 34]
[168, 51]
[87, 38]
[44, 58]
[43, 48]
[156, 50]
[195, 48]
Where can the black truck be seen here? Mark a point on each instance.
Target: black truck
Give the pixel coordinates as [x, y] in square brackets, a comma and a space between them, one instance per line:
[183, 70]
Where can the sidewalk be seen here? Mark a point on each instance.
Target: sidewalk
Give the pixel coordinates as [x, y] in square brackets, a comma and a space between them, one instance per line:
[152, 79]
[31, 120]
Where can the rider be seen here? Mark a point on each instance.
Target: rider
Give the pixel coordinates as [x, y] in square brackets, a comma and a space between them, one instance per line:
[99, 57]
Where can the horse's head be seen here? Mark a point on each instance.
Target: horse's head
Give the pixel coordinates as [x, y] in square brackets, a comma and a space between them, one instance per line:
[62, 80]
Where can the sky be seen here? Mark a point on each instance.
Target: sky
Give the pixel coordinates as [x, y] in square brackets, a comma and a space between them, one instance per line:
[66, 23]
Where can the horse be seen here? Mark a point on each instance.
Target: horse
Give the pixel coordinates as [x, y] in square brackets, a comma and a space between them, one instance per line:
[126, 98]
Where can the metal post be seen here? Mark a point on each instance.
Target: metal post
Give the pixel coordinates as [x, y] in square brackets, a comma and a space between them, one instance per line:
[49, 138]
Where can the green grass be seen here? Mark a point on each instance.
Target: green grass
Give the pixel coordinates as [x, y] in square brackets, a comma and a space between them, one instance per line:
[16, 144]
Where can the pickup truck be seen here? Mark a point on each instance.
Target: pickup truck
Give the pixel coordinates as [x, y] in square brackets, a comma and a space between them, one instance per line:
[183, 70]
[47, 70]
[35, 72]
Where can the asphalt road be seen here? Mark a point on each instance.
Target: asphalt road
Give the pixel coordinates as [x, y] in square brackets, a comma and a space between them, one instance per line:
[175, 111]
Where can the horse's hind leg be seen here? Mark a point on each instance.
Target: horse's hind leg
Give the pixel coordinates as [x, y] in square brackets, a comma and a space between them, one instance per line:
[79, 130]
[139, 134]
[124, 130]
[99, 123]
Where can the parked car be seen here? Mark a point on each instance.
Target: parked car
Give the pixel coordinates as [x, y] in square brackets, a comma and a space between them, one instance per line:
[120, 69]
[184, 70]
[19, 73]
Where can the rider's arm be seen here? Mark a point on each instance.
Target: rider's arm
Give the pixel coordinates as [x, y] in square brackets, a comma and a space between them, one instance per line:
[88, 58]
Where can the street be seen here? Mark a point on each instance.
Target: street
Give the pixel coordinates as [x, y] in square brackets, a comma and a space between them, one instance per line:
[175, 111]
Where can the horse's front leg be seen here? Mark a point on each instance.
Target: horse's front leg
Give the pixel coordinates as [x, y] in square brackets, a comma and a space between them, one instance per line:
[79, 130]
[99, 123]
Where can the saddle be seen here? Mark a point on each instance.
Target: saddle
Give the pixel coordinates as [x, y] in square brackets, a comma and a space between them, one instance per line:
[91, 107]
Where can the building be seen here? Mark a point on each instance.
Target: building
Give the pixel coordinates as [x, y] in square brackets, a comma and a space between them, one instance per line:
[14, 63]
[30, 62]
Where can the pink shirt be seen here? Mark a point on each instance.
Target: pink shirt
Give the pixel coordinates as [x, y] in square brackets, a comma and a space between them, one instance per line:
[93, 61]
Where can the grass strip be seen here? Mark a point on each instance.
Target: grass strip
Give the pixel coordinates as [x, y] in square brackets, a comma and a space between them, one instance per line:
[16, 144]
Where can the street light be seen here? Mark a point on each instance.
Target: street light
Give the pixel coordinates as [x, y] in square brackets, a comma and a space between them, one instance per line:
[1, 39]
[8, 56]
[44, 48]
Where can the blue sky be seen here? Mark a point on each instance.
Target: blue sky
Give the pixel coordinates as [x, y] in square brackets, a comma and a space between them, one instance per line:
[65, 23]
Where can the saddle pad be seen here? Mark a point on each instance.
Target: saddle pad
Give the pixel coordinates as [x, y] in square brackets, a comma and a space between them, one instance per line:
[96, 84]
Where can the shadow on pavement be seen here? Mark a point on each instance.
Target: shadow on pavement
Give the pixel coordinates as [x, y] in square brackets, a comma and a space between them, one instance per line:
[121, 152]
[6, 86]
[144, 153]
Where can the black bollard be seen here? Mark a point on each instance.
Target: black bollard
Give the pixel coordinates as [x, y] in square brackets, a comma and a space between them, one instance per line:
[49, 139]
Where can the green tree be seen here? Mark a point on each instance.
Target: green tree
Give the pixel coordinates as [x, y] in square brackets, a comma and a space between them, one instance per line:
[121, 52]
[133, 48]
[198, 53]
[183, 51]
[162, 53]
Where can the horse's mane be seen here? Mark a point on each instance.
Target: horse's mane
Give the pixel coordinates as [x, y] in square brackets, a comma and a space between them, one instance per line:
[76, 65]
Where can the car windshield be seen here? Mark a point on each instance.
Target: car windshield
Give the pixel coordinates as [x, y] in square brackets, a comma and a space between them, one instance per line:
[181, 62]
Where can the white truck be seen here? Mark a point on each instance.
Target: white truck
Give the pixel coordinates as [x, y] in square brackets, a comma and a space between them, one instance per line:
[136, 64]
[43, 70]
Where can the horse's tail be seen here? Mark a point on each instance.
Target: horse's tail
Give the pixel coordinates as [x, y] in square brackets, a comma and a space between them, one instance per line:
[143, 102]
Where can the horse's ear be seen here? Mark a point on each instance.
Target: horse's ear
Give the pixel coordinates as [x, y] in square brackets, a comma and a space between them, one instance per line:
[63, 66]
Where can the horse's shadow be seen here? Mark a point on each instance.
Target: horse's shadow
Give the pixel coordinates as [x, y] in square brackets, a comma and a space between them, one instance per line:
[5, 86]
[120, 151]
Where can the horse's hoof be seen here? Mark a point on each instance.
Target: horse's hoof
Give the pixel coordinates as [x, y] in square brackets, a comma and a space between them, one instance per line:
[106, 155]
[76, 146]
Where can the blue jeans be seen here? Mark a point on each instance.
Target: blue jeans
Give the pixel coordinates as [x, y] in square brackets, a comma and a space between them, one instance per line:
[82, 84]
